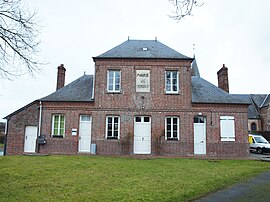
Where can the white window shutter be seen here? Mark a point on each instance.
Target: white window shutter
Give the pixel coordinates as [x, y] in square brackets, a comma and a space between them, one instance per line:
[227, 128]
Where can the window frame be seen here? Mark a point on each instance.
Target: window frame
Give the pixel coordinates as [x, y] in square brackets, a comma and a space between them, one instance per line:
[113, 81]
[172, 131]
[171, 91]
[229, 123]
[58, 125]
[113, 128]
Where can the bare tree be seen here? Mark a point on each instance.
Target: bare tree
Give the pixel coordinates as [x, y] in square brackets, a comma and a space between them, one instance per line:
[183, 8]
[18, 40]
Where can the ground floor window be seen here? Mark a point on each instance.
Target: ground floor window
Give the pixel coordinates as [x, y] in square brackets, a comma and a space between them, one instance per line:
[58, 125]
[112, 127]
[227, 128]
[172, 128]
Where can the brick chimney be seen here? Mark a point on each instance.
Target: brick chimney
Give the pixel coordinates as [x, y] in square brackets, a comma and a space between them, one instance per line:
[223, 80]
[60, 77]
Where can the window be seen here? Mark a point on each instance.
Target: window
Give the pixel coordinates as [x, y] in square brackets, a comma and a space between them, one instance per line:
[253, 127]
[58, 125]
[112, 127]
[172, 85]
[227, 129]
[113, 81]
[172, 128]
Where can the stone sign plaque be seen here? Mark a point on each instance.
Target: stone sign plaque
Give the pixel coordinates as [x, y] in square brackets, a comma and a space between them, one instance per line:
[142, 80]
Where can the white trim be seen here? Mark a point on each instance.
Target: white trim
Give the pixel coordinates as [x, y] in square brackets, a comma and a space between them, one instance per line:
[171, 91]
[108, 81]
[106, 134]
[178, 127]
[53, 117]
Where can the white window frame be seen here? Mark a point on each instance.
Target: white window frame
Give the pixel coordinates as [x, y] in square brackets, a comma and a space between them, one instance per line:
[113, 129]
[227, 128]
[171, 91]
[171, 133]
[114, 81]
[59, 125]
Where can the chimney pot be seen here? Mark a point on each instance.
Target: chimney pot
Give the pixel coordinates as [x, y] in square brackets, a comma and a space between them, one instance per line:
[60, 77]
[223, 80]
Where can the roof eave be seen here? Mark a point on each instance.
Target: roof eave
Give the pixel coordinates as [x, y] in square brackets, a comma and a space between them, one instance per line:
[141, 58]
[220, 103]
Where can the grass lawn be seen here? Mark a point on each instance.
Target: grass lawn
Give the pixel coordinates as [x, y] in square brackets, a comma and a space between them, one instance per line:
[96, 178]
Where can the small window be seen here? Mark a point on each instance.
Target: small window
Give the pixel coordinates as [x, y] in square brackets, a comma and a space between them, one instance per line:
[146, 119]
[199, 119]
[85, 118]
[172, 82]
[58, 125]
[138, 119]
[172, 128]
[112, 127]
[227, 128]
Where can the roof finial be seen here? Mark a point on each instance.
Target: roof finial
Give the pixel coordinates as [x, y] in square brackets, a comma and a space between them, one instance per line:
[194, 50]
[155, 38]
[128, 38]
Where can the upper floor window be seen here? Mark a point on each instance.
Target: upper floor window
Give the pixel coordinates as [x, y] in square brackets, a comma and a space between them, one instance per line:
[172, 82]
[172, 128]
[113, 81]
[112, 127]
[58, 125]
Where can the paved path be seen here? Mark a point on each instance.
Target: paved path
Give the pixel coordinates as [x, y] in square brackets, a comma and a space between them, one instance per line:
[255, 189]
[1, 152]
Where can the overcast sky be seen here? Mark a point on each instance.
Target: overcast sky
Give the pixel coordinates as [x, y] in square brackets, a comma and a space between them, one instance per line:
[234, 33]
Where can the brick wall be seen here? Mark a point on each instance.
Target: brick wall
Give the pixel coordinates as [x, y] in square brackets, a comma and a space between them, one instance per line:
[265, 118]
[128, 104]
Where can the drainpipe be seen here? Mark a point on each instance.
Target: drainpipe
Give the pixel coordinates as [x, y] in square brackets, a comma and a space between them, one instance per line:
[39, 124]
[39, 121]
[5, 141]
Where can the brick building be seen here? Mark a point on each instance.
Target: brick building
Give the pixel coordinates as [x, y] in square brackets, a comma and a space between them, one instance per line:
[144, 98]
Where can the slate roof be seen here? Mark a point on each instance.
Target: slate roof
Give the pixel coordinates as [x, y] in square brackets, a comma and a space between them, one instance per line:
[150, 49]
[205, 92]
[78, 90]
[258, 99]
[252, 110]
[194, 68]
[266, 102]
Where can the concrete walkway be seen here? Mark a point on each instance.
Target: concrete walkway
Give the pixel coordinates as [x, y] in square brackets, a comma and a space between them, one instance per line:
[255, 189]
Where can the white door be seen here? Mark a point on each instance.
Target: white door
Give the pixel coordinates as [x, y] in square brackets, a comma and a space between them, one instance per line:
[30, 139]
[85, 134]
[142, 135]
[199, 135]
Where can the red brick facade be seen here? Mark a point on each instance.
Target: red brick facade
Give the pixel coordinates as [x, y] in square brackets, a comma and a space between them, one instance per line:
[127, 104]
